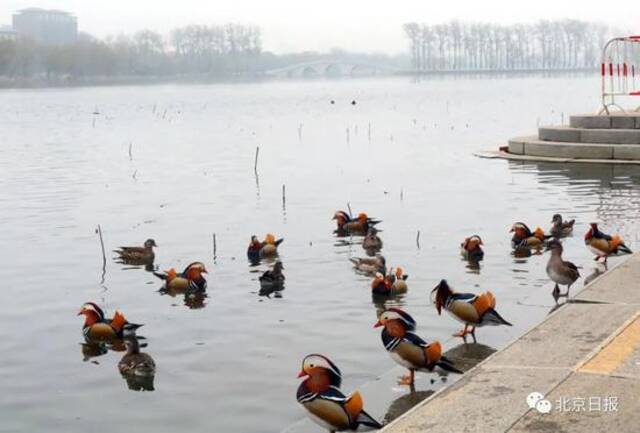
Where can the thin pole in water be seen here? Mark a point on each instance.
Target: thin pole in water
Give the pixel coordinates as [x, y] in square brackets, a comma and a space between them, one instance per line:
[130, 153]
[418, 239]
[349, 207]
[284, 197]
[255, 165]
[215, 248]
[104, 254]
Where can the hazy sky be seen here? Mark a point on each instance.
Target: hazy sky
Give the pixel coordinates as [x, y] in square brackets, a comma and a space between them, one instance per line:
[293, 25]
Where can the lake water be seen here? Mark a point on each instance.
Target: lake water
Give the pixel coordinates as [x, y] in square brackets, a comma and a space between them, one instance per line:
[402, 153]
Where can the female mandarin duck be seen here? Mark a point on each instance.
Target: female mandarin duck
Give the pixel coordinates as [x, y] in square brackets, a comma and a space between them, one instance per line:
[98, 328]
[142, 254]
[370, 265]
[372, 241]
[525, 238]
[560, 272]
[273, 279]
[468, 308]
[190, 279]
[134, 362]
[471, 248]
[359, 225]
[560, 228]
[409, 350]
[326, 405]
[266, 248]
[603, 245]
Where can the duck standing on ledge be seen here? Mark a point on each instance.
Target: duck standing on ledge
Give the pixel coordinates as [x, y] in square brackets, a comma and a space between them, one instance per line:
[560, 228]
[409, 350]
[560, 272]
[134, 255]
[98, 328]
[603, 245]
[473, 310]
[471, 248]
[190, 279]
[326, 405]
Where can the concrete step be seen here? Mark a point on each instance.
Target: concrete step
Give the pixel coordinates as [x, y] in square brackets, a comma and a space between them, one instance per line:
[589, 135]
[533, 146]
[611, 121]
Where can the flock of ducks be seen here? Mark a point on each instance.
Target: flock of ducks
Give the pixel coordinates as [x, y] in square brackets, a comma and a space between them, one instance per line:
[319, 393]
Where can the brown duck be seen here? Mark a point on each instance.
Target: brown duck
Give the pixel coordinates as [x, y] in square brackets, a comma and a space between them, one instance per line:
[561, 272]
[143, 254]
[561, 228]
[134, 362]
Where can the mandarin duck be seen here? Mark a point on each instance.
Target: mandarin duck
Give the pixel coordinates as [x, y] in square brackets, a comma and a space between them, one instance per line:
[399, 280]
[273, 278]
[190, 279]
[369, 265]
[266, 248]
[372, 241]
[603, 245]
[525, 238]
[142, 254]
[98, 328]
[409, 350]
[358, 225]
[560, 228]
[561, 272]
[381, 285]
[472, 310]
[471, 249]
[326, 405]
[134, 362]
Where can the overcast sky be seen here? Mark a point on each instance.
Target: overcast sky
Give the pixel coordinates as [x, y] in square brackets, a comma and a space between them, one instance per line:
[295, 25]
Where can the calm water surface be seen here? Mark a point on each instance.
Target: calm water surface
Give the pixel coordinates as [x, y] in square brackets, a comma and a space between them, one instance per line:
[403, 153]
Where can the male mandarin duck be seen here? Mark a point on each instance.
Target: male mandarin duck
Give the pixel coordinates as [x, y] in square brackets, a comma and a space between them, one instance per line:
[603, 245]
[560, 272]
[273, 278]
[399, 280]
[369, 265]
[525, 238]
[409, 350]
[98, 328]
[471, 248]
[361, 224]
[142, 254]
[472, 310]
[372, 241]
[190, 279]
[266, 248]
[326, 405]
[561, 228]
[134, 362]
[381, 285]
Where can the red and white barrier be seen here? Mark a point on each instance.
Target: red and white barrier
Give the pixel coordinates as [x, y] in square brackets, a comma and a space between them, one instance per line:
[620, 71]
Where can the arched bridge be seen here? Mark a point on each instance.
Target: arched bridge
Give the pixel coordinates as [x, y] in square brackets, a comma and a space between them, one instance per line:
[328, 68]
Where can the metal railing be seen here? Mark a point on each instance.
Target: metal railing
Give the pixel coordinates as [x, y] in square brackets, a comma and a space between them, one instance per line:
[619, 71]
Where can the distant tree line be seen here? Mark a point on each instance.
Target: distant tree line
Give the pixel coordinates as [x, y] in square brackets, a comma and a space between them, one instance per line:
[457, 46]
[214, 50]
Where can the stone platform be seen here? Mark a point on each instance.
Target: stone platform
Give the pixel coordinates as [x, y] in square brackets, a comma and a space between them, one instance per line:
[608, 138]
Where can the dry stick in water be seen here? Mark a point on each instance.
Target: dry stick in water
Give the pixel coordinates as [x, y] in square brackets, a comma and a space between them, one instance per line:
[104, 255]
[215, 248]
[130, 154]
[284, 197]
[349, 207]
[255, 165]
[418, 239]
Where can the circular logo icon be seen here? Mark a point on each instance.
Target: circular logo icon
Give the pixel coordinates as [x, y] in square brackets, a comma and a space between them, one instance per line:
[543, 406]
[533, 399]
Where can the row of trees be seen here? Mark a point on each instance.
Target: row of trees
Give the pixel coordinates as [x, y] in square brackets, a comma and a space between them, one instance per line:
[456, 46]
[213, 50]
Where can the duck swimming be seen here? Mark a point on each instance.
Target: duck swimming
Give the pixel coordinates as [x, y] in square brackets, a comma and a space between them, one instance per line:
[142, 254]
[603, 245]
[369, 265]
[473, 310]
[134, 362]
[560, 228]
[561, 272]
[189, 279]
[409, 350]
[97, 327]
[372, 241]
[273, 279]
[266, 248]
[471, 248]
[325, 403]
[359, 225]
[525, 238]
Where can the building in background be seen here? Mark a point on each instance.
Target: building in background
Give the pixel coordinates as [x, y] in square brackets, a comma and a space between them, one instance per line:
[52, 27]
[7, 33]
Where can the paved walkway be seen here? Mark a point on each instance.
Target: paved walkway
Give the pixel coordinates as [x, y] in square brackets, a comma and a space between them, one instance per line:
[584, 358]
